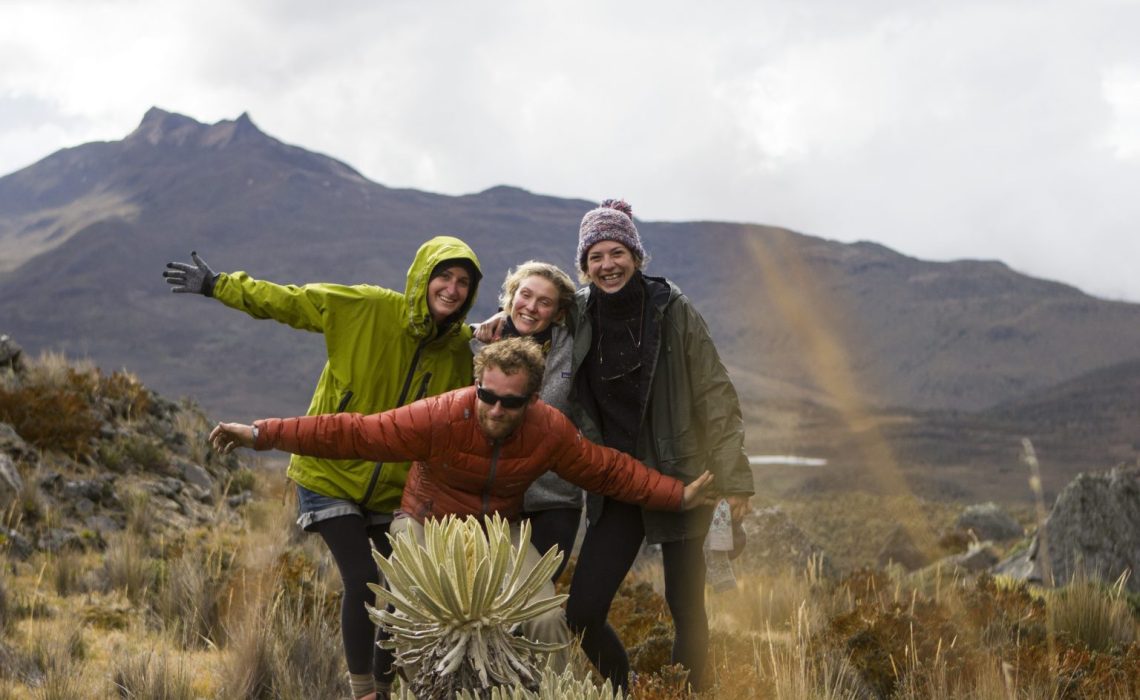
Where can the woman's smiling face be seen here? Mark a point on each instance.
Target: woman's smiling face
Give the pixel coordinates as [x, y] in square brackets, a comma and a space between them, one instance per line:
[610, 265]
[534, 305]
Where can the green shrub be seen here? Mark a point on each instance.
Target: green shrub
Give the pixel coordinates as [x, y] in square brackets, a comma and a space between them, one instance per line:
[241, 480]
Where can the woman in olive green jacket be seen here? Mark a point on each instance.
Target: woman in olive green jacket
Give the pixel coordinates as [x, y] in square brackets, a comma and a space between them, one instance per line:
[647, 381]
[385, 349]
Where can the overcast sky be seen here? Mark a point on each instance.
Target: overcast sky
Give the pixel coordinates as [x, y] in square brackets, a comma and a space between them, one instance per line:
[992, 129]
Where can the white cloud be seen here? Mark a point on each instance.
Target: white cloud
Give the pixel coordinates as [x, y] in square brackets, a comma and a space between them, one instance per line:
[1121, 86]
[976, 129]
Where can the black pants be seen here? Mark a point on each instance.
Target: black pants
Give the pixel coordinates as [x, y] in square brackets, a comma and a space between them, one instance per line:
[351, 547]
[555, 527]
[608, 551]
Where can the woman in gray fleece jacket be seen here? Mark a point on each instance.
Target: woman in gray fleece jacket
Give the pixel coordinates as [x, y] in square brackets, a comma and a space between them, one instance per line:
[535, 299]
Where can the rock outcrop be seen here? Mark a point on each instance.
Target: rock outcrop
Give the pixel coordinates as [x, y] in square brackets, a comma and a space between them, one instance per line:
[989, 522]
[129, 453]
[777, 546]
[1094, 529]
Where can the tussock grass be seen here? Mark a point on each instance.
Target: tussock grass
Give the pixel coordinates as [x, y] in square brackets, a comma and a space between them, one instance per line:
[126, 566]
[1089, 613]
[140, 515]
[55, 664]
[192, 425]
[149, 675]
[281, 649]
[67, 572]
[5, 608]
[191, 595]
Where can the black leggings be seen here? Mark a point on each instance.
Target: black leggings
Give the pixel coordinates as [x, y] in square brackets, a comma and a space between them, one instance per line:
[555, 527]
[351, 547]
[607, 553]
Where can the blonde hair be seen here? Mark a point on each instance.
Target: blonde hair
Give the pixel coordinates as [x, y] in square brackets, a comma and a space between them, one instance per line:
[512, 355]
[533, 268]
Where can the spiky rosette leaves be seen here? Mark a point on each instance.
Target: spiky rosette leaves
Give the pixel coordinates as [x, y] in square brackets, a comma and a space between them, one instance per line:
[551, 686]
[457, 601]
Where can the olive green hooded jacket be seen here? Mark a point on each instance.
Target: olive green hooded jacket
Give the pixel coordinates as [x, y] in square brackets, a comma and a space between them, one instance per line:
[691, 420]
[384, 351]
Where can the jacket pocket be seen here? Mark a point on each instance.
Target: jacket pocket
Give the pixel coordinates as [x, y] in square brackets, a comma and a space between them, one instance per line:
[679, 455]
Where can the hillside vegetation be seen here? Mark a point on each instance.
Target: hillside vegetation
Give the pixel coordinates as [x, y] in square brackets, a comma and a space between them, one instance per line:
[137, 564]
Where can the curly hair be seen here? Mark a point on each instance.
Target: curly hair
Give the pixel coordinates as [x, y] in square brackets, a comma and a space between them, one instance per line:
[513, 355]
[533, 268]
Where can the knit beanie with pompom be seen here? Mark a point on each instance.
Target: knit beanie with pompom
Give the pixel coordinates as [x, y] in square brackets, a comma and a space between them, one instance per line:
[612, 221]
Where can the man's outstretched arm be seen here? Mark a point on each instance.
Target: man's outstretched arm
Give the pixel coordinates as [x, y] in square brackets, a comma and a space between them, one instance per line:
[397, 435]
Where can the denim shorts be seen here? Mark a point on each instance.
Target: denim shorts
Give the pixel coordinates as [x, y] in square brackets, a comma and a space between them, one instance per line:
[313, 507]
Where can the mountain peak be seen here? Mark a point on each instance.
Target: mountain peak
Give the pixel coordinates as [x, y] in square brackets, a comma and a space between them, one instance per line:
[161, 127]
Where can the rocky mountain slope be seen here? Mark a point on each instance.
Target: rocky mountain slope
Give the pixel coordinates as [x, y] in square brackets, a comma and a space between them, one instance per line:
[809, 327]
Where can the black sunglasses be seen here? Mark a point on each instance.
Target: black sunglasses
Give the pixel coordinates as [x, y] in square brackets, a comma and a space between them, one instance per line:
[491, 398]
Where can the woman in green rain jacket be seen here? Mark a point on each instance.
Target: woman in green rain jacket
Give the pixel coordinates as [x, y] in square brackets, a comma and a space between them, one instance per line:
[385, 349]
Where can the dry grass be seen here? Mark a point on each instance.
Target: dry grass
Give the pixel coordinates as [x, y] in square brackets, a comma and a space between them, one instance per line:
[246, 609]
[147, 675]
[1088, 613]
[873, 634]
[127, 566]
[190, 597]
[287, 647]
[192, 425]
[50, 408]
[67, 572]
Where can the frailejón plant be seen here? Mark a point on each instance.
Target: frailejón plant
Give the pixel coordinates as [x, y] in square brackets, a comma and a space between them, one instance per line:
[457, 602]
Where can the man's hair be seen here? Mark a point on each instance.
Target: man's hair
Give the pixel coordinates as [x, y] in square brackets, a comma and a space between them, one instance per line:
[510, 356]
[533, 268]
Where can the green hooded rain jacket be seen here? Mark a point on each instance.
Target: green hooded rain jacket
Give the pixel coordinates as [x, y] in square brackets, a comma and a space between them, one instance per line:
[384, 351]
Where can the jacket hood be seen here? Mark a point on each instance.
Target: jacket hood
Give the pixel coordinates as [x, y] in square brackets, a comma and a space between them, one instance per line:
[430, 254]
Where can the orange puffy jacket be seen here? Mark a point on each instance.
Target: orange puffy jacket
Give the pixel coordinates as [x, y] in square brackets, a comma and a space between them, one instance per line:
[458, 469]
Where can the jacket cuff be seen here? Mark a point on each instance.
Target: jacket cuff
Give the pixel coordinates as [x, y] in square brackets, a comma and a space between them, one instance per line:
[259, 435]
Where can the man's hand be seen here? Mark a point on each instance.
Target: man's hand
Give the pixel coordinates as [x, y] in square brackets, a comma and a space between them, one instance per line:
[190, 279]
[492, 329]
[738, 503]
[226, 436]
[697, 493]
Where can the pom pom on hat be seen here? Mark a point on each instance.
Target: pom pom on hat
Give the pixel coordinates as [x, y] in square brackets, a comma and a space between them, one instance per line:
[612, 221]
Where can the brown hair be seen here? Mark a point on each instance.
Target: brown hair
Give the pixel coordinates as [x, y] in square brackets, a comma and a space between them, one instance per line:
[533, 268]
[512, 355]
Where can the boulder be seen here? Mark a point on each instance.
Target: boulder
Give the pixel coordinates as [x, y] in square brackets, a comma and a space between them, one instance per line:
[11, 355]
[195, 474]
[1093, 528]
[14, 446]
[989, 522]
[10, 481]
[978, 558]
[775, 545]
[15, 544]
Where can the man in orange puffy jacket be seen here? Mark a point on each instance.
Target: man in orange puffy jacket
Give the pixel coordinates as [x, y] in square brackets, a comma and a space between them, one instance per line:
[475, 452]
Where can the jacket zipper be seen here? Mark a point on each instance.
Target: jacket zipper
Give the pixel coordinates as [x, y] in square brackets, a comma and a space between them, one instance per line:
[423, 386]
[491, 477]
[399, 402]
[344, 402]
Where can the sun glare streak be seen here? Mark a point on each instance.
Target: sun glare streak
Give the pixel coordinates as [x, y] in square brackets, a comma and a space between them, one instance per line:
[814, 322]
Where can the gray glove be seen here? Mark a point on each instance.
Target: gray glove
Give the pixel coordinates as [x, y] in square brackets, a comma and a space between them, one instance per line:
[191, 279]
